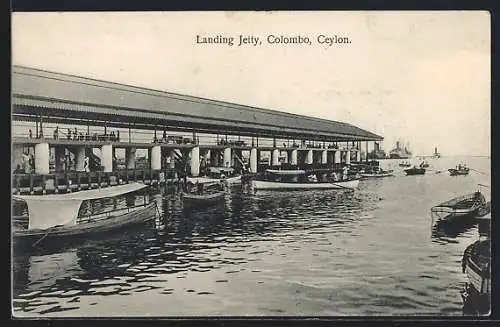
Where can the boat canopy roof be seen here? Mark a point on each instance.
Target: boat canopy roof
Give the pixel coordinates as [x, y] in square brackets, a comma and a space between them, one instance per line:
[46, 211]
[286, 172]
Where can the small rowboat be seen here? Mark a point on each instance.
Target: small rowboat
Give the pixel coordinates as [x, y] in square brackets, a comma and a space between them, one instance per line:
[415, 171]
[191, 199]
[204, 193]
[462, 206]
[476, 264]
[458, 172]
[56, 216]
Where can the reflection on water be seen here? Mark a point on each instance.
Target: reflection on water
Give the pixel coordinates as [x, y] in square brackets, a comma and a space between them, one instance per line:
[372, 251]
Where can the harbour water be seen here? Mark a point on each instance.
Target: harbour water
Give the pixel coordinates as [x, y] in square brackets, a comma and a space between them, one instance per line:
[302, 253]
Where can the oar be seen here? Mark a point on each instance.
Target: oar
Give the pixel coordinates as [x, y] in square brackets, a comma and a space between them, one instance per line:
[484, 185]
[45, 235]
[478, 171]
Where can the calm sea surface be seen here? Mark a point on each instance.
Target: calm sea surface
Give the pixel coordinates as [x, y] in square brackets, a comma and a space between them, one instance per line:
[368, 252]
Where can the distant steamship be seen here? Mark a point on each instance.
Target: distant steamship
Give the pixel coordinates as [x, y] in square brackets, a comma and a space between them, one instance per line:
[400, 153]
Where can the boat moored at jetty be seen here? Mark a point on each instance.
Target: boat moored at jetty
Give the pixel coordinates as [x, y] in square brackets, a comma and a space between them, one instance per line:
[303, 180]
[459, 207]
[476, 264]
[203, 193]
[61, 216]
[213, 174]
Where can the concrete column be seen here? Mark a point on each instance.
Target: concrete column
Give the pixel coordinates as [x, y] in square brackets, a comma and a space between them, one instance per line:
[358, 156]
[309, 157]
[293, 158]
[195, 161]
[130, 157]
[337, 157]
[42, 156]
[275, 154]
[227, 157]
[324, 157]
[107, 157]
[80, 158]
[155, 159]
[348, 157]
[253, 160]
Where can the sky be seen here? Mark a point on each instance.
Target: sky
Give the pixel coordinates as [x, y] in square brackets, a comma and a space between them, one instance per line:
[422, 77]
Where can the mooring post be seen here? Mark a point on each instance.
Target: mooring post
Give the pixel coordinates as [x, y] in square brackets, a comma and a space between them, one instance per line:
[56, 183]
[44, 191]
[31, 184]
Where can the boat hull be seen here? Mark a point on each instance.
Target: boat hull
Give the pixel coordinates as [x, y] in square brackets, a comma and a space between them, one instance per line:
[202, 199]
[268, 185]
[115, 222]
[417, 171]
[376, 175]
[456, 172]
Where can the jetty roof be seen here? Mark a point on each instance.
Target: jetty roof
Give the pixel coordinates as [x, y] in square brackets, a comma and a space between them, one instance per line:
[73, 99]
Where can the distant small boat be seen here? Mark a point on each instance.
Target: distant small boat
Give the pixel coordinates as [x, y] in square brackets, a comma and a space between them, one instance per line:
[415, 171]
[424, 164]
[460, 171]
[405, 164]
[458, 207]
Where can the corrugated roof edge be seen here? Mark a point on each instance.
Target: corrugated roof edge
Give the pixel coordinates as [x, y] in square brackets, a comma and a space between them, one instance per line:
[189, 97]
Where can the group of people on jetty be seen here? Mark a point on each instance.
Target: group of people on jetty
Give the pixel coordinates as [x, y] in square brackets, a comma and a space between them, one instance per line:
[79, 136]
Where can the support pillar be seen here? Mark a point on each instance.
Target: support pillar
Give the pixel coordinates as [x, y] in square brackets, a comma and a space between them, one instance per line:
[337, 157]
[80, 159]
[358, 155]
[348, 157]
[253, 160]
[227, 157]
[42, 156]
[309, 157]
[195, 161]
[155, 158]
[130, 157]
[293, 158]
[275, 157]
[107, 157]
[324, 157]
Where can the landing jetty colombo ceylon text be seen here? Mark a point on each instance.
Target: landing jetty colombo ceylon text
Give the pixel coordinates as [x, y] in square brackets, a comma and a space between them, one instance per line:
[242, 40]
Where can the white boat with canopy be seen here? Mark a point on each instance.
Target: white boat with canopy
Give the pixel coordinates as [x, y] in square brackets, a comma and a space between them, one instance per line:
[58, 214]
[301, 179]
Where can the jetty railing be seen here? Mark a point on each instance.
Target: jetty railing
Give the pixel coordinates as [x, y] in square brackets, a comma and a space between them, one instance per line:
[77, 180]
